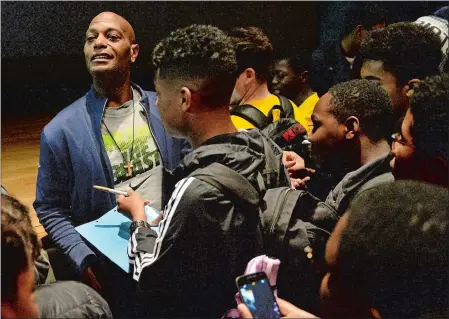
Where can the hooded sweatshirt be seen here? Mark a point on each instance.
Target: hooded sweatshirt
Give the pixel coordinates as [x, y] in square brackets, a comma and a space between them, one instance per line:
[206, 237]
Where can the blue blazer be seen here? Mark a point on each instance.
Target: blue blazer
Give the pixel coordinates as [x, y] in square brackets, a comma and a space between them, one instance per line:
[73, 159]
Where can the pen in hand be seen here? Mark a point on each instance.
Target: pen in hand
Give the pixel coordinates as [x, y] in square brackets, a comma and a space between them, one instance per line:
[110, 190]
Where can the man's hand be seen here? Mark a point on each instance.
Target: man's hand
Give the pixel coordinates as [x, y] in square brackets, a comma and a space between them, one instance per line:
[298, 183]
[90, 279]
[292, 162]
[297, 170]
[287, 310]
[133, 205]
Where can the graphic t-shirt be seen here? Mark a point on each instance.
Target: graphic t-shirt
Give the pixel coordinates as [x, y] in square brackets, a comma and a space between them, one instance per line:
[129, 139]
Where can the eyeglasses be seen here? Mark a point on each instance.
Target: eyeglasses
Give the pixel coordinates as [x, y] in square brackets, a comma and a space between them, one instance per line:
[397, 137]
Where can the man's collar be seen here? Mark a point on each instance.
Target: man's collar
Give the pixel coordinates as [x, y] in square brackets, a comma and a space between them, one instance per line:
[97, 103]
[363, 174]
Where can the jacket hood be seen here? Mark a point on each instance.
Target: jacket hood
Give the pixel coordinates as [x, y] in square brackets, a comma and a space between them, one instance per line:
[246, 152]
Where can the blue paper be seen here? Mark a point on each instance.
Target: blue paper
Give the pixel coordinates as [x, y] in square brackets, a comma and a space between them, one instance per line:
[110, 234]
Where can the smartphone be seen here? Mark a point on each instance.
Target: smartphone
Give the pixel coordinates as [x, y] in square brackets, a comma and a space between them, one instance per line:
[256, 293]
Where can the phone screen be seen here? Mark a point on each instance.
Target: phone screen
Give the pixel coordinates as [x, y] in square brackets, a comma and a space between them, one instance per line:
[258, 297]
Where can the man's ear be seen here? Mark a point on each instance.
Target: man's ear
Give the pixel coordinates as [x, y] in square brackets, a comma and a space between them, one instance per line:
[186, 99]
[352, 125]
[134, 52]
[410, 86]
[249, 75]
[304, 76]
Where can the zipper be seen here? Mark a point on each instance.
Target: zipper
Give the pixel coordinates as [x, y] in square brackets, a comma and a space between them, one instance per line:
[276, 216]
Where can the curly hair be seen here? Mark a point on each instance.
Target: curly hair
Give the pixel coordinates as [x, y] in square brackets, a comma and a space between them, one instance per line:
[430, 107]
[253, 50]
[15, 214]
[199, 52]
[407, 50]
[394, 252]
[368, 102]
[20, 244]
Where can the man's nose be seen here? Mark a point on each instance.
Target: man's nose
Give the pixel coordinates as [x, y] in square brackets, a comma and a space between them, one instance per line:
[100, 42]
[275, 80]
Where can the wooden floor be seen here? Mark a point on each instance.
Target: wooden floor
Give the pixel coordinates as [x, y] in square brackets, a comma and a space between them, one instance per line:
[20, 156]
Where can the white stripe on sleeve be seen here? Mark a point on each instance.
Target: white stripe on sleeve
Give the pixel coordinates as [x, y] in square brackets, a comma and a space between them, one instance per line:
[142, 259]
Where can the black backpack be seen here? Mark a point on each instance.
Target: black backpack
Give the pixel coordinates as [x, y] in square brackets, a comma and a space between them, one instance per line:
[299, 244]
[287, 133]
[260, 120]
[286, 234]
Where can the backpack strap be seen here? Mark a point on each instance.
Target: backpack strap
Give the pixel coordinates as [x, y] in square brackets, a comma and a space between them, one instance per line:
[251, 114]
[286, 106]
[260, 120]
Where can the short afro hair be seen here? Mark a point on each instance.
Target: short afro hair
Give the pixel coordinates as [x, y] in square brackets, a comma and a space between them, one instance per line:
[201, 52]
[368, 102]
[299, 61]
[394, 252]
[430, 106]
[253, 50]
[364, 13]
[407, 50]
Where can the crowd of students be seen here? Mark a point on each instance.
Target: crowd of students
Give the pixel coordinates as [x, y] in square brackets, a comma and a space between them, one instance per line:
[364, 170]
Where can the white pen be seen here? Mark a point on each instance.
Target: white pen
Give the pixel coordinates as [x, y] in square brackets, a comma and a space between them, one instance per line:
[110, 190]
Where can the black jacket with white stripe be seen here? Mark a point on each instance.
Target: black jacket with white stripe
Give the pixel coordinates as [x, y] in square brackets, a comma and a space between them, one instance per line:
[206, 237]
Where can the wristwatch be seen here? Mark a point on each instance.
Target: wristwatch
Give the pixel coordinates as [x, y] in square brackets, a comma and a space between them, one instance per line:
[138, 223]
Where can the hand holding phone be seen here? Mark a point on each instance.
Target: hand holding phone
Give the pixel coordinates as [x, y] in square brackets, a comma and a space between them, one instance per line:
[256, 293]
[287, 309]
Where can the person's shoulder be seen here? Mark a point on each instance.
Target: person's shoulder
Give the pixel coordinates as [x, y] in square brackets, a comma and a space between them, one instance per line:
[313, 99]
[66, 117]
[374, 183]
[241, 123]
[190, 192]
[386, 177]
[151, 95]
[292, 103]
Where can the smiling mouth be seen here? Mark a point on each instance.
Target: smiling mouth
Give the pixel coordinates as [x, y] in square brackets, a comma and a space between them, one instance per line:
[102, 56]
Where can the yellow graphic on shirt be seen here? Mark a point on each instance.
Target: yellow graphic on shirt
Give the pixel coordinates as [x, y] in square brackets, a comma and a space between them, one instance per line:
[145, 155]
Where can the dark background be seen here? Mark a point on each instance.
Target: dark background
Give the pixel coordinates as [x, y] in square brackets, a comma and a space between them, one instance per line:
[42, 42]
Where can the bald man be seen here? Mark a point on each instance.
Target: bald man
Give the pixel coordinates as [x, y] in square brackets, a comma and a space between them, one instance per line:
[112, 136]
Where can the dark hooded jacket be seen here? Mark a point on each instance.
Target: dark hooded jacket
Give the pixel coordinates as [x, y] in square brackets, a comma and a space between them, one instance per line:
[207, 236]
